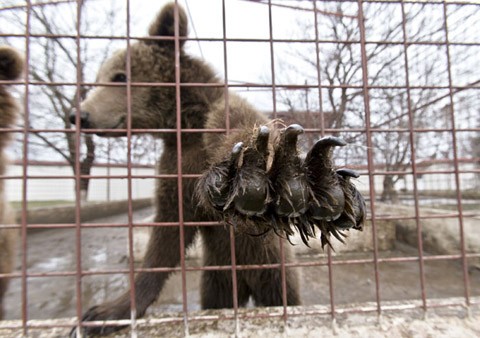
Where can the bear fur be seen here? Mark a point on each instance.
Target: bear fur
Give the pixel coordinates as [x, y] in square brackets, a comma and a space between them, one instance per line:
[11, 66]
[155, 107]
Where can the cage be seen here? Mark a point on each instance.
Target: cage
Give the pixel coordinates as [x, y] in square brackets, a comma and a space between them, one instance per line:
[397, 80]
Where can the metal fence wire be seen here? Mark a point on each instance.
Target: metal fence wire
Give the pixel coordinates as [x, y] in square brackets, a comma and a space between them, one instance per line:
[397, 80]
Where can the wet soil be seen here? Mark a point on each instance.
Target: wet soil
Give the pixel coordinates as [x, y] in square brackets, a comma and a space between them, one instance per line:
[106, 249]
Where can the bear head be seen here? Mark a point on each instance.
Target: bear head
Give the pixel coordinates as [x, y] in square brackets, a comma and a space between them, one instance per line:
[151, 61]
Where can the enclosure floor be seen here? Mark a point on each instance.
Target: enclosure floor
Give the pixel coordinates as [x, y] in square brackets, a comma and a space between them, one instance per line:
[444, 322]
[106, 248]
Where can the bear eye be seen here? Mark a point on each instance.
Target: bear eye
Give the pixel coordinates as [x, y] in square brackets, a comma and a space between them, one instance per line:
[119, 77]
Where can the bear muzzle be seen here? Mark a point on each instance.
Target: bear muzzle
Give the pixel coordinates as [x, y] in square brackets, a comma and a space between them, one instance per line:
[84, 119]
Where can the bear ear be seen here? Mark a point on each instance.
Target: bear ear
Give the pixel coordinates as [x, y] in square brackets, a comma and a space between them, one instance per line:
[11, 63]
[164, 24]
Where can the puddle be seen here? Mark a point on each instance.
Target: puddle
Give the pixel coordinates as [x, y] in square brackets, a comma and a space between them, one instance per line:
[51, 264]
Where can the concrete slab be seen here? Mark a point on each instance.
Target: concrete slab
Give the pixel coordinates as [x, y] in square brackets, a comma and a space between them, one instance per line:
[404, 319]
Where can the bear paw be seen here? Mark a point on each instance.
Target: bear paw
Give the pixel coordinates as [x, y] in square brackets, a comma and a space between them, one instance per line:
[101, 313]
[267, 185]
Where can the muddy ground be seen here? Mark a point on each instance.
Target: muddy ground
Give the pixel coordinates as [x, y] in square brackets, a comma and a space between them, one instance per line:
[106, 248]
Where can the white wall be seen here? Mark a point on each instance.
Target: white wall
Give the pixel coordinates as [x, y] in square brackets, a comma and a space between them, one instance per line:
[64, 189]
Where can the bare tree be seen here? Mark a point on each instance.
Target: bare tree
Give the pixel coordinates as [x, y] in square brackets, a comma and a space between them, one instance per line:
[341, 73]
[62, 102]
[59, 54]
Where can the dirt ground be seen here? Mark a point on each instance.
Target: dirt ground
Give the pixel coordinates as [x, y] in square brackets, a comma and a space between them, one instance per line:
[55, 297]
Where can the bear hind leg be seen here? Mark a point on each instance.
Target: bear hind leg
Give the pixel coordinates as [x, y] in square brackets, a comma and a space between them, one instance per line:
[273, 294]
[217, 290]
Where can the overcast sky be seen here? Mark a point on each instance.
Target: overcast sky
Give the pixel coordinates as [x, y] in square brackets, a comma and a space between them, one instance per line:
[247, 62]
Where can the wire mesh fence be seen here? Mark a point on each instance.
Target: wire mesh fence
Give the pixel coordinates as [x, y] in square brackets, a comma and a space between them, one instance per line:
[397, 80]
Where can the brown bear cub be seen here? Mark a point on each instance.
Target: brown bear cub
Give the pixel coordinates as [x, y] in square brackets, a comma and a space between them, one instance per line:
[252, 177]
[11, 66]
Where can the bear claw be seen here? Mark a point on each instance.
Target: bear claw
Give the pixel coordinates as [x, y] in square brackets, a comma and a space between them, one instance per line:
[329, 197]
[355, 211]
[217, 182]
[251, 186]
[329, 141]
[348, 173]
[262, 140]
[288, 176]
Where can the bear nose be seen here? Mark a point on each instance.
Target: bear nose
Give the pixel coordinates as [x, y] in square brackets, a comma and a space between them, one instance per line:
[84, 122]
